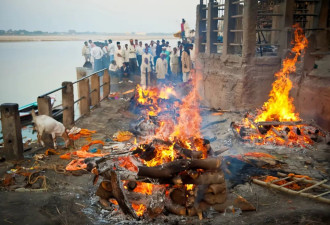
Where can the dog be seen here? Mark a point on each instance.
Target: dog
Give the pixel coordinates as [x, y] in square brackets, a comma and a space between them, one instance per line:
[46, 124]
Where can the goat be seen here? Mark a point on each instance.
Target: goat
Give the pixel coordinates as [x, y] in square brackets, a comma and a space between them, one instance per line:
[46, 124]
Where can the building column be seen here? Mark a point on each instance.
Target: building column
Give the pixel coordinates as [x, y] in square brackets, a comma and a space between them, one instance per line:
[200, 34]
[212, 24]
[249, 28]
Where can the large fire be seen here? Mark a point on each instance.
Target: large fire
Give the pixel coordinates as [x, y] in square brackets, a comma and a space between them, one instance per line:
[279, 106]
[178, 123]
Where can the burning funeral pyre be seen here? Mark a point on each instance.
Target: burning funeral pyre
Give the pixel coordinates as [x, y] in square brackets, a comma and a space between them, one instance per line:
[277, 123]
[169, 166]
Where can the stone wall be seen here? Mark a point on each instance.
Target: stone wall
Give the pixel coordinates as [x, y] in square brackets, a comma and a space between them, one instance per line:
[229, 83]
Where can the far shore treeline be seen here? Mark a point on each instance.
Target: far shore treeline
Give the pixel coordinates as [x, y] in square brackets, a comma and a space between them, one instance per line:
[11, 32]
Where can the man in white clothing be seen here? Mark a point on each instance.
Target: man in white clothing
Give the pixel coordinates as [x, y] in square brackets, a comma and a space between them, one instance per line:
[86, 52]
[111, 50]
[126, 53]
[119, 55]
[132, 58]
[161, 68]
[97, 55]
[139, 53]
[146, 66]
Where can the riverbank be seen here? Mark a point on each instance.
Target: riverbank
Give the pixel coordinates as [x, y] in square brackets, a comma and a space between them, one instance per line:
[81, 37]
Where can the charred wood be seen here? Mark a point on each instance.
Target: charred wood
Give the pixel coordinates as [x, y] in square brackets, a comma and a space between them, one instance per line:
[216, 188]
[118, 193]
[212, 199]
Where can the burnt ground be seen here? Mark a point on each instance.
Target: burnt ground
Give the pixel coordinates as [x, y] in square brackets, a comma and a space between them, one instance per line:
[70, 197]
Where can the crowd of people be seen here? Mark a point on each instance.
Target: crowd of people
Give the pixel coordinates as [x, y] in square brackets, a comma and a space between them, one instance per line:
[168, 63]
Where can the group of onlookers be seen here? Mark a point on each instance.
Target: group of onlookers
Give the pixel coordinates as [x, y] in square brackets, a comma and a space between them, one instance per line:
[136, 58]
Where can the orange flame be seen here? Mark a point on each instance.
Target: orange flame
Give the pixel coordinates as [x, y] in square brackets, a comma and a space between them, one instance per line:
[139, 209]
[279, 106]
[144, 188]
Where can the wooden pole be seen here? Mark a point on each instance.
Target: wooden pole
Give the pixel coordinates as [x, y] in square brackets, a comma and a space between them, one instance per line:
[83, 92]
[68, 104]
[95, 90]
[106, 84]
[11, 129]
[44, 106]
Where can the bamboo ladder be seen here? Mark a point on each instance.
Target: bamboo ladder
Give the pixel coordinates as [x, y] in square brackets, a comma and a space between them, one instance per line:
[315, 184]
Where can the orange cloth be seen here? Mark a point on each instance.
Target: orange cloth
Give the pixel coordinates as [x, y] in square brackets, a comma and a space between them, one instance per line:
[77, 164]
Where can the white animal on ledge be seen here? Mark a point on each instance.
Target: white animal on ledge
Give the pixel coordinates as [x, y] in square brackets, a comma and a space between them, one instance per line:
[48, 125]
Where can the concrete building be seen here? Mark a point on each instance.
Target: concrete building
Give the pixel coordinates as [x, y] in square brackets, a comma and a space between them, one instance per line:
[241, 44]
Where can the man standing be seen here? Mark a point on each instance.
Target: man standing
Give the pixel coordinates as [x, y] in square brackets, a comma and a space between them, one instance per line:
[111, 50]
[174, 62]
[119, 55]
[182, 29]
[158, 50]
[139, 53]
[161, 68]
[97, 55]
[186, 63]
[132, 58]
[86, 52]
[146, 68]
[126, 54]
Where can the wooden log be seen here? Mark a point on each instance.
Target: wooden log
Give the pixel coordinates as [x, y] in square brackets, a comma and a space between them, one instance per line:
[156, 201]
[216, 188]
[103, 193]
[206, 164]
[283, 123]
[131, 185]
[283, 136]
[175, 209]
[212, 199]
[118, 193]
[178, 196]
[204, 178]
[170, 169]
[165, 171]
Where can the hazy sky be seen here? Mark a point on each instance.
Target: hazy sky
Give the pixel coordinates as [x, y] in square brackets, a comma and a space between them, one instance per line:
[97, 15]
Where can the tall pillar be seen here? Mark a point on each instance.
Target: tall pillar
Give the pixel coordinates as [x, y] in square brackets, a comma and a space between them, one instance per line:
[249, 28]
[200, 34]
[229, 24]
[287, 8]
[12, 134]
[212, 24]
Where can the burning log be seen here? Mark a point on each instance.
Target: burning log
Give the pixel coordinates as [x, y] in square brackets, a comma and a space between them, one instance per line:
[104, 191]
[170, 169]
[118, 193]
[281, 135]
[178, 196]
[175, 209]
[279, 123]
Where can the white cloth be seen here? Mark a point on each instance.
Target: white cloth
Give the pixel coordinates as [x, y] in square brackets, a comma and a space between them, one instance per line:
[113, 68]
[126, 55]
[111, 48]
[169, 49]
[153, 50]
[97, 52]
[132, 52]
[161, 68]
[105, 50]
[139, 50]
[145, 66]
[119, 57]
